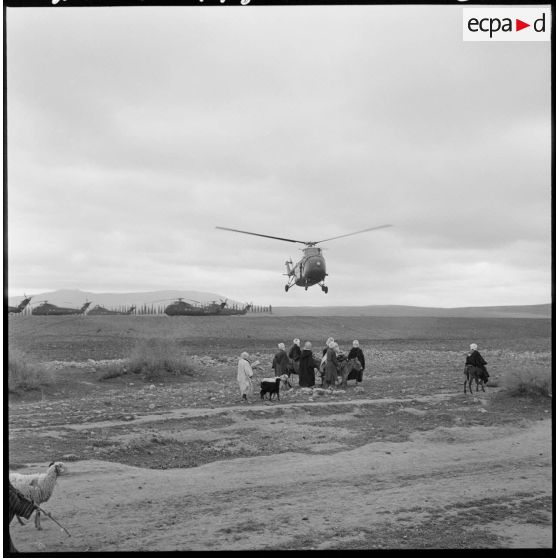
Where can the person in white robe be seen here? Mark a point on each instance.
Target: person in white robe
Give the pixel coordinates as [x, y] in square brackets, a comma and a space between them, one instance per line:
[244, 376]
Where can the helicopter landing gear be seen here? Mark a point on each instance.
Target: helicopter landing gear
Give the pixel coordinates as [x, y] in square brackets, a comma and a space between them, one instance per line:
[286, 288]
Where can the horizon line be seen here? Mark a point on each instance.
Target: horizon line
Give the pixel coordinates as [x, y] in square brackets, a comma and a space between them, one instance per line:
[283, 305]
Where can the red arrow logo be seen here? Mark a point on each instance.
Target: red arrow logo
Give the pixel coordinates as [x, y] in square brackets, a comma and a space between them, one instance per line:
[519, 25]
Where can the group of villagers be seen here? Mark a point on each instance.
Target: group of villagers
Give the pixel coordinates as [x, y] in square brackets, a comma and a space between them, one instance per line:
[304, 363]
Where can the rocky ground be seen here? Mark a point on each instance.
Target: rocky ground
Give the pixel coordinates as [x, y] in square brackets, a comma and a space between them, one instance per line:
[405, 460]
[183, 464]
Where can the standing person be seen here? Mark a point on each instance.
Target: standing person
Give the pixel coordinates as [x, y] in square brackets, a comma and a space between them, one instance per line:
[323, 361]
[337, 348]
[18, 505]
[475, 359]
[294, 354]
[306, 367]
[244, 376]
[280, 361]
[356, 352]
[331, 366]
[341, 359]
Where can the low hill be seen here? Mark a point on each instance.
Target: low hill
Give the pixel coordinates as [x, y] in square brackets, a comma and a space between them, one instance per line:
[527, 311]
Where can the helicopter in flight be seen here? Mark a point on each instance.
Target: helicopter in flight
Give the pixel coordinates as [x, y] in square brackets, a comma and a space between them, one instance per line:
[311, 269]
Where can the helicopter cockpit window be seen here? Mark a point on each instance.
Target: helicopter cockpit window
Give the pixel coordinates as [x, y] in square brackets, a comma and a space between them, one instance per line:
[313, 251]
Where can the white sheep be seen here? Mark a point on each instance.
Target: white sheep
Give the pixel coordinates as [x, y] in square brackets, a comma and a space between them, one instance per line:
[38, 487]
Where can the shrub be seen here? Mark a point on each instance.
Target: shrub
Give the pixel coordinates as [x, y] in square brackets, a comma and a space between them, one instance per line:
[112, 371]
[152, 359]
[25, 373]
[534, 379]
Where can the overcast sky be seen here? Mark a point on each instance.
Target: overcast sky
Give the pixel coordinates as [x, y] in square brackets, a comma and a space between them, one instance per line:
[133, 132]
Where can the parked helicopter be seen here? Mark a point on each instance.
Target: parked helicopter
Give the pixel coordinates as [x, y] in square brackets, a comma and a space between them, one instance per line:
[213, 308]
[46, 309]
[102, 311]
[235, 311]
[20, 307]
[311, 269]
[182, 308]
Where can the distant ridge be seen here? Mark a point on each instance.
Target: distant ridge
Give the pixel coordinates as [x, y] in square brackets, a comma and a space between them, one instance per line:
[525, 311]
[75, 298]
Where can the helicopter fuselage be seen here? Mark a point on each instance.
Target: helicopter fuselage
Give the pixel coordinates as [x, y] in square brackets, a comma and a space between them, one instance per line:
[311, 269]
[47, 309]
[102, 311]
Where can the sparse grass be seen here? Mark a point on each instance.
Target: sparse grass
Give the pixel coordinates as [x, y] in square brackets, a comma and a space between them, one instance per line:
[25, 373]
[15, 466]
[531, 379]
[152, 359]
[147, 441]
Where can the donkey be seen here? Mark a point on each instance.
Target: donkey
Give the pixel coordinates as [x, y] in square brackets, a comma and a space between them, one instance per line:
[349, 370]
[473, 373]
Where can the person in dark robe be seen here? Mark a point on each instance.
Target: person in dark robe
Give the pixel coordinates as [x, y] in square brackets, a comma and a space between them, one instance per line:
[294, 354]
[475, 359]
[306, 376]
[356, 352]
[321, 369]
[18, 505]
[280, 361]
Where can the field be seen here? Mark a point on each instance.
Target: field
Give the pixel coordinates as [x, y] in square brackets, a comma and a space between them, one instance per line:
[405, 460]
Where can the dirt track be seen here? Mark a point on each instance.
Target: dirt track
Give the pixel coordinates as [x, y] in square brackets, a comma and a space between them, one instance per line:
[459, 479]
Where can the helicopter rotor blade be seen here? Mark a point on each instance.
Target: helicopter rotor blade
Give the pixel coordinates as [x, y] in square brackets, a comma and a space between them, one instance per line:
[264, 235]
[351, 234]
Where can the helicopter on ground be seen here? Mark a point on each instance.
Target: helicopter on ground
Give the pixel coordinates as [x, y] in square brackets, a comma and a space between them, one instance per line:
[181, 308]
[311, 269]
[21, 306]
[228, 311]
[47, 309]
[98, 310]
[223, 309]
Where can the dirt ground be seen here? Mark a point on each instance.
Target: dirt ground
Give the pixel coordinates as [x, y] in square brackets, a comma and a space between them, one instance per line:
[401, 461]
